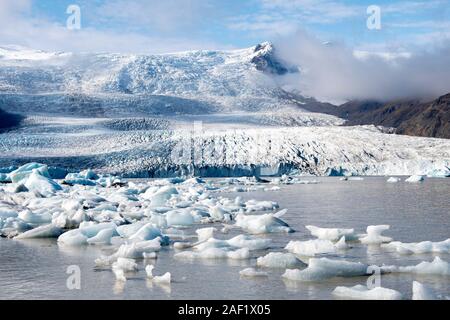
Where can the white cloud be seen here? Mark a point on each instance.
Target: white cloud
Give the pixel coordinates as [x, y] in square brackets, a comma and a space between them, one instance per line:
[333, 72]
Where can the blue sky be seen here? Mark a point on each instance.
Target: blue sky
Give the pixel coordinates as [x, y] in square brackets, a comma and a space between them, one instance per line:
[174, 25]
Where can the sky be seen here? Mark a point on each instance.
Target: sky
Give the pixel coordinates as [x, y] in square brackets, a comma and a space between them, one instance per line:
[155, 26]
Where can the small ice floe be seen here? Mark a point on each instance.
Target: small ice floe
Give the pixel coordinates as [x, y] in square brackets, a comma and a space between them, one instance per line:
[46, 231]
[252, 243]
[254, 205]
[41, 184]
[252, 272]
[215, 253]
[360, 292]
[166, 278]
[23, 172]
[436, 267]
[149, 255]
[331, 234]
[323, 268]
[343, 179]
[102, 237]
[374, 236]
[120, 275]
[393, 180]
[314, 247]
[149, 271]
[159, 196]
[204, 234]
[415, 178]
[125, 264]
[265, 223]
[422, 292]
[355, 178]
[279, 260]
[419, 247]
[81, 235]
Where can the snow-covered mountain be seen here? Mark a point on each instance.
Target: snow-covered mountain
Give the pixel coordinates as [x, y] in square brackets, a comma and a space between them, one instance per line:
[131, 114]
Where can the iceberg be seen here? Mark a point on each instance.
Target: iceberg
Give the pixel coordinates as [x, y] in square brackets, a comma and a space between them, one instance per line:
[415, 178]
[166, 278]
[179, 218]
[252, 272]
[46, 231]
[259, 224]
[82, 234]
[204, 234]
[4, 178]
[360, 292]
[421, 292]
[103, 237]
[374, 236]
[161, 196]
[331, 234]
[125, 264]
[419, 247]
[323, 268]
[35, 181]
[251, 243]
[436, 267]
[279, 260]
[26, 170]
[311, 248]
[393, 180]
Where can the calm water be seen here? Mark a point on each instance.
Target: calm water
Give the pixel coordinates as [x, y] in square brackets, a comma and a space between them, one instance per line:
[37, 269]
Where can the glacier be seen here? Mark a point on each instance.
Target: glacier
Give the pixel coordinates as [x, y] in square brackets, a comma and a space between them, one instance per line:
[198, 113]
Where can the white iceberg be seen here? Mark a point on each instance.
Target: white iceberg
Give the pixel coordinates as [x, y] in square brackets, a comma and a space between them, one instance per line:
[252, 272]
[436, 267]
[360, 292]
[421, 292]
[415, 178]
[374, 236]
[419, 247]
[314, 247]
[41, 184]
[46, 231]
[125, 264]
[323, 268]
[26, 170]
[332, 234]
[279, 260]
[259, 224]
[166, 278]
[82, 234]
[393, 180]
[102, 237]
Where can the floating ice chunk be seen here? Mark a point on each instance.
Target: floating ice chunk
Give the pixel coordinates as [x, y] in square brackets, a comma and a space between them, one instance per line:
[34, 218]
[166, 278]
[252, 272]
[103, 237]
[279, 260]
[120, 274]
[26, 170]
[149, 271]
[332, 234]
[136, 250]
[421, 292]
[218, 213]
[148, 232]
[355, 178]
[41, 184]
[311, 248]
[46, 231]
[251, 243]
[258, 224]
[360, 292]
[324, 268]
[125, 264]
[436, 267]
[419, 247]
[159, 197]
[374, 236]
[149, 255]
[80, 181]
[393, 180]
[215, 253]
[127, 230]
[86, 174]
[83, 233]
[254, 205]
[179, 218]
[415, 178]
[204, 234]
